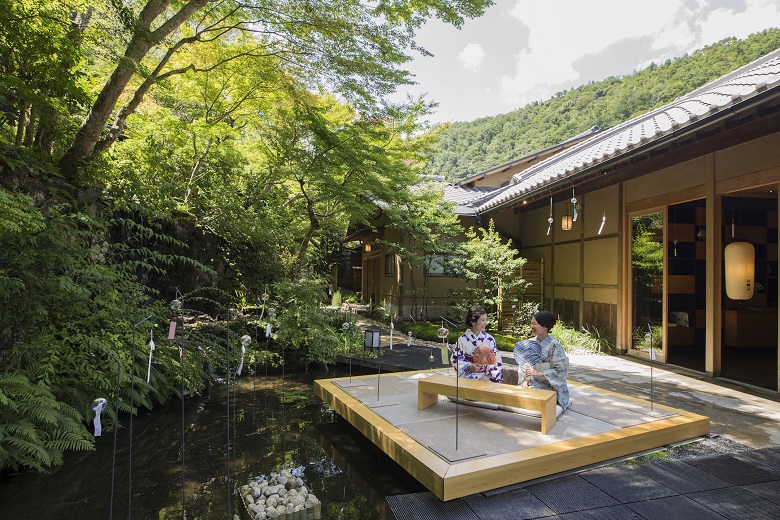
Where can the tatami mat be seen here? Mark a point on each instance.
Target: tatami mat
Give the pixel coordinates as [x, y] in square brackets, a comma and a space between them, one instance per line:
[613, 410]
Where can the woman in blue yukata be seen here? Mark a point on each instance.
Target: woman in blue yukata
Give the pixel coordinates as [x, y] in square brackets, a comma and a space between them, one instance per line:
[553, 367]
[486, 364]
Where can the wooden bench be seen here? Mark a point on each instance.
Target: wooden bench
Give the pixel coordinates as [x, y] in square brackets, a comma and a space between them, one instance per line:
[543, 401]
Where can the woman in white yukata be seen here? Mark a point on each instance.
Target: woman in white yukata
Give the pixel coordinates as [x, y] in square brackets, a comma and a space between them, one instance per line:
[551, 372]
[463, 352]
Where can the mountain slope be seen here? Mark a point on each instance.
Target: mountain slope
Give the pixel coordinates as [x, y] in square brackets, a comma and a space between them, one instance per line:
[464, 149]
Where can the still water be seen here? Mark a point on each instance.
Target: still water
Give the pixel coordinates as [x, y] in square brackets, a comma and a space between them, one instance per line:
[275, 423]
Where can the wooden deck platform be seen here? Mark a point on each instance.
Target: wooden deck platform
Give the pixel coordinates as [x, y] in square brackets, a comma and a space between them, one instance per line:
[456, 450]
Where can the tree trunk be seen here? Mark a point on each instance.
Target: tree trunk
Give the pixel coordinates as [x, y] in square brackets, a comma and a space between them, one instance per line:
[196, 169]
[314, 225]
[22, 123]
[83, 147]
[29, 131]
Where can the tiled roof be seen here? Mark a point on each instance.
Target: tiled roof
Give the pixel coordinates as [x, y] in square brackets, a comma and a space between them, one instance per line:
[464, 196]
[541, 153]
[722, 94]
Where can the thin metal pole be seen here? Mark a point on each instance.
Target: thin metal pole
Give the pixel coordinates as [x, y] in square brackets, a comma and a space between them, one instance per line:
[116, 427]
[181, 361]
[254, 377]
[265, 360]
[457, 402]
[652, 356]
[130, 449]
[284, 425]
[227, 418]
[379, 369]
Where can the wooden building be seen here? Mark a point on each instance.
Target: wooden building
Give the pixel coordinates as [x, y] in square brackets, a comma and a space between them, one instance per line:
[657, 200]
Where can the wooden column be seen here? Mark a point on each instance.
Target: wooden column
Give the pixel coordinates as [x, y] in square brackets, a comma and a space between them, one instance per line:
[714, 305]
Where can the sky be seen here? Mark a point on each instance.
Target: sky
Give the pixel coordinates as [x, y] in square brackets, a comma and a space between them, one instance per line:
[522, 51]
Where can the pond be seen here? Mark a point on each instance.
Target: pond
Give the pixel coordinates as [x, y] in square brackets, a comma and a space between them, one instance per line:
[276, 423]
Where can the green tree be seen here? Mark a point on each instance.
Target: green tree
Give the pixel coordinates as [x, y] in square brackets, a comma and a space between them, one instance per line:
[429, 226]
[347, 46]
[331, 167]
[491, 264]
[40, 83]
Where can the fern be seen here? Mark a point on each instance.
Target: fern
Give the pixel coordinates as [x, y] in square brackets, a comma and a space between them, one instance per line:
[35, 428]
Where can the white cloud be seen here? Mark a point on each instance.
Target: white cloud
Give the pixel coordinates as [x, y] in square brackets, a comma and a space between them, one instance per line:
[724, 23]
[561, 32]
[471, 56]
[527, 50]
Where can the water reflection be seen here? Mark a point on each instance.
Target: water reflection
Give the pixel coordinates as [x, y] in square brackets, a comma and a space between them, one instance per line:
[268, 430]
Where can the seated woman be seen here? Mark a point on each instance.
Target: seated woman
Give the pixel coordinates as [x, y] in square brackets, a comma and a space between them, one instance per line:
[552, 367]
[484, 366]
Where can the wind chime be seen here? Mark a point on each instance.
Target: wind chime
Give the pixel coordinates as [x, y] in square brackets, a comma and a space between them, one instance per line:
[575, 206]
[443, 334]
[604, 215]
[550, 219]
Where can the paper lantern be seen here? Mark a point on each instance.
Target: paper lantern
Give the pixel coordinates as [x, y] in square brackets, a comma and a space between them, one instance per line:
[740, 270]
[566, 222]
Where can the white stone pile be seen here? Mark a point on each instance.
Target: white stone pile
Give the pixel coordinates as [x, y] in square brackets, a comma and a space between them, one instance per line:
[283, 496]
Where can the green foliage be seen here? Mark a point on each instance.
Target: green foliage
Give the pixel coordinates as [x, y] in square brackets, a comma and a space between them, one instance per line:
[40, 80]
[521, 323]
[69, 296]
[336, 299]
[583, 340]
[491, 264]
[35, 428]
[464, 149]
[303, 324]
[331, 167]
[348, 296]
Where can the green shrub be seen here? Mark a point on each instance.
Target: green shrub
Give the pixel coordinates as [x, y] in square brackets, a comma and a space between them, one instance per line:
[591, 341]
[348, 296]
[336, 299]
[583, 340]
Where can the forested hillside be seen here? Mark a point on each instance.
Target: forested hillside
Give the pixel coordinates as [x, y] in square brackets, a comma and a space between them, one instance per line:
[464, 149]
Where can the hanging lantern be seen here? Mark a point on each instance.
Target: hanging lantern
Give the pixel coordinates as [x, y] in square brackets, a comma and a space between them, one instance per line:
[740, 259]
[566, 222]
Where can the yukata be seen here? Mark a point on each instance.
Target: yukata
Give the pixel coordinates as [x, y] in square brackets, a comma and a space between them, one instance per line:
[556, 369]
[462, 357]
[527, 352]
